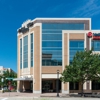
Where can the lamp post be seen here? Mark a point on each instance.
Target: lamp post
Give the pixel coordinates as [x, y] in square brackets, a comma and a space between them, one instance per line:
[57, 83]
[2, 80]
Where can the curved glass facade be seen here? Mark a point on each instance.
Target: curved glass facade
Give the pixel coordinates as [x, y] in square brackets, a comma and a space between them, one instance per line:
[52, 41]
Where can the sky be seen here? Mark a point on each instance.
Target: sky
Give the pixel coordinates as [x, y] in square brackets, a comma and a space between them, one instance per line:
[14, 12]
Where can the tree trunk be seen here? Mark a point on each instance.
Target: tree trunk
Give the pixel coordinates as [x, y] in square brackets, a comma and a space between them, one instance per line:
[82, 93]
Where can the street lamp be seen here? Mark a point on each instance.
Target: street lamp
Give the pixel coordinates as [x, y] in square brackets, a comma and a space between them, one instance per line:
[2, 80]
[57, 83]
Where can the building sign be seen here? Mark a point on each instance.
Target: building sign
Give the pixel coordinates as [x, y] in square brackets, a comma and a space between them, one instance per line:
[89, 34]
[94, 36]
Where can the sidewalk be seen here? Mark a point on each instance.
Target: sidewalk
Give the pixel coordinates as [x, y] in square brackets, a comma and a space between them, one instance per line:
[16, 94]
[53, 95]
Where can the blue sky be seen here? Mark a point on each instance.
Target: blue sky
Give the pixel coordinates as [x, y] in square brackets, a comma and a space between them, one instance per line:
[14, 12]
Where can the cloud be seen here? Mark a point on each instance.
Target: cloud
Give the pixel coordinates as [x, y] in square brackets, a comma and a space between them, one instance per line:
[78, 8]
[90, 8]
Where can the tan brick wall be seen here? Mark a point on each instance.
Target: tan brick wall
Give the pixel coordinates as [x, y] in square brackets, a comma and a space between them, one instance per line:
[18, 62]
[36, 70]
[20, 72]
[65, 49]
[36, 57]
[87, 42]
[65, 56]
[66, 87]
[73, 36]
[18, 58]
[51, 69]
[19, 36]
[31, 70]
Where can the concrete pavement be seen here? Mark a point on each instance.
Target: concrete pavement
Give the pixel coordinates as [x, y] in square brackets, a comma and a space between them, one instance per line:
[52, 98]
[16, 94]
[44, 96]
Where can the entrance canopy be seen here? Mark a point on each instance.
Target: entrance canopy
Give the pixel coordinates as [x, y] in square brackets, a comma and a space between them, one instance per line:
[10, 78]
[23, 79]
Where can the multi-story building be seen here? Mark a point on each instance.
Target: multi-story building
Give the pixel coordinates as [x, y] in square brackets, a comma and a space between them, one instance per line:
[46, 45]
[3, 70]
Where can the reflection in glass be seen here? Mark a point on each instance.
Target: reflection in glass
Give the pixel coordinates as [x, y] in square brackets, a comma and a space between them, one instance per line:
[52, 41]
[75, 45]
[25, 52]
[20, 53]
[96, 45]
[31, 35]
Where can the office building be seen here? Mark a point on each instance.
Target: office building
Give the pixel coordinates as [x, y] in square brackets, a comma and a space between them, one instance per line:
[46, 45]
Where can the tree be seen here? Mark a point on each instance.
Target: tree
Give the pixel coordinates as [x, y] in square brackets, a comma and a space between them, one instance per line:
[85, 66]
[8, 74]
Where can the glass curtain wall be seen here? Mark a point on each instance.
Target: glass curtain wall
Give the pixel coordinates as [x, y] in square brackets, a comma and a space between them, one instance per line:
[25, 52]
[20, 53]
[31, 50]
[95, 85]
[75, 45]
[52, 41]
[96, 45]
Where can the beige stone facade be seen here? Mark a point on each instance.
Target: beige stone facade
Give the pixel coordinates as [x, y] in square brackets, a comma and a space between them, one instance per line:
[38, 74]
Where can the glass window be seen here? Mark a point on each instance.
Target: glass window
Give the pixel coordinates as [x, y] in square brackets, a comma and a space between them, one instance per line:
[52, 36]
[51, 48]
[47, 31]
[95, 85]
[51, 44]
[74, 86]
[20, 53]
[75, 45]
[25, 52]
[31, 35]
[52, 62]
[96, 45]
[52, 41]
[62, 26]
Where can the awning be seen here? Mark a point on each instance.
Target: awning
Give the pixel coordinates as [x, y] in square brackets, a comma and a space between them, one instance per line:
[10, 78]
[22, 79]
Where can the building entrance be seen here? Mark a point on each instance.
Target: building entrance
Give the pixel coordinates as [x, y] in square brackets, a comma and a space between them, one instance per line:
[50, 86]
[26, 86]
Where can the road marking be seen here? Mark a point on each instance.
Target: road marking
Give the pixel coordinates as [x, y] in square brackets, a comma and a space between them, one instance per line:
[4, 99]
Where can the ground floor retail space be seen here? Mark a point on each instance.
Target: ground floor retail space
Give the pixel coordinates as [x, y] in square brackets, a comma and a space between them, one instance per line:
[51, 85]
[54, 85]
